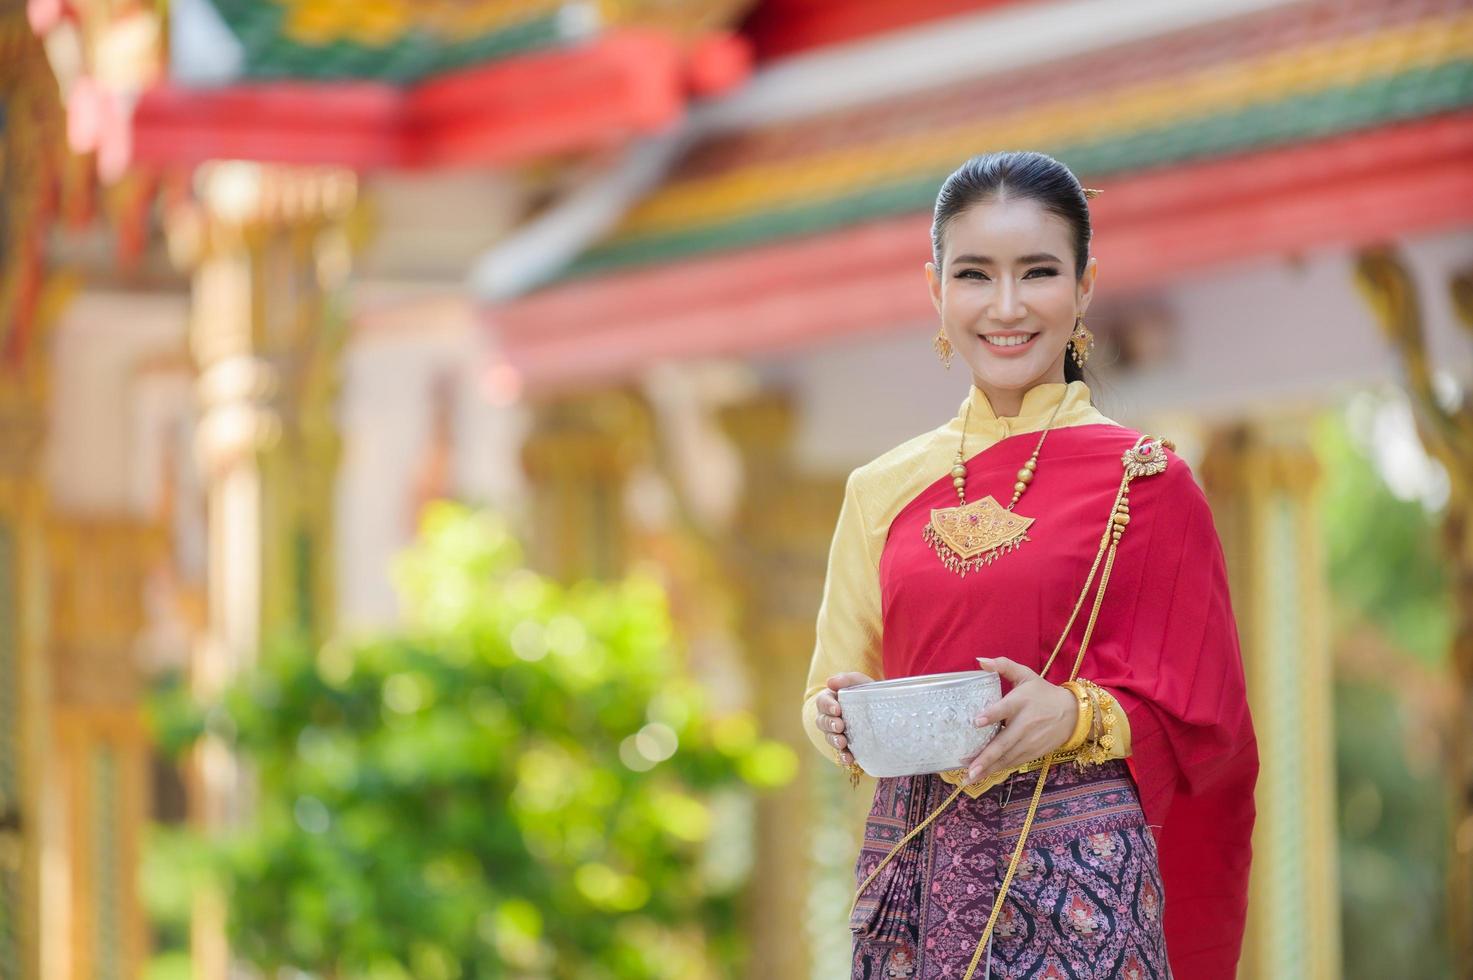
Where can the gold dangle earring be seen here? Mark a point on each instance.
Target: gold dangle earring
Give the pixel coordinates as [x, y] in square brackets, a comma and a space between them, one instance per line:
[1081, 341]
[943, 347]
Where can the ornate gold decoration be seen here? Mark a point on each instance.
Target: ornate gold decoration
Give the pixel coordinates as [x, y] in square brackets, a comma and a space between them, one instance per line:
[958, 777]
[1146, 459]
[1083, 724]
[943, 348]
[1101, 740]
[982, 528]
[968, 536]
[1081, 341]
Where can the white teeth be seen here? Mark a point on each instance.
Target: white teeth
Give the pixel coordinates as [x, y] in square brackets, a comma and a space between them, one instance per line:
[1008, 341]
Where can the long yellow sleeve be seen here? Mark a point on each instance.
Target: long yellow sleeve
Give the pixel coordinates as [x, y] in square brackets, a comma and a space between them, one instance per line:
[848, 630]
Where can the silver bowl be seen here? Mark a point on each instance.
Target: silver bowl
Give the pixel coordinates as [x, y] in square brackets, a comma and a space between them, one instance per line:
[914, 725]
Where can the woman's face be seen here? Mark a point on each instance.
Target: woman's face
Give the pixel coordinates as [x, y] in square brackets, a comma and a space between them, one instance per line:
[1007, 293]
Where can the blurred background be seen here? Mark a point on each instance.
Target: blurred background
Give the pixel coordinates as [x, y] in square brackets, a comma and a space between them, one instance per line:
[422, 426]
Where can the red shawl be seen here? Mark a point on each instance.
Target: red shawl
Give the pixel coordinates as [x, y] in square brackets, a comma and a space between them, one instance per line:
[1165, 645]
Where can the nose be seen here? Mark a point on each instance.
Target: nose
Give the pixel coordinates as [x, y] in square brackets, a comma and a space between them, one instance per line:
[1008, 308]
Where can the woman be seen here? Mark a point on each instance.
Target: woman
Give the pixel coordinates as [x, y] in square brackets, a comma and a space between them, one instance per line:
[1135, 859]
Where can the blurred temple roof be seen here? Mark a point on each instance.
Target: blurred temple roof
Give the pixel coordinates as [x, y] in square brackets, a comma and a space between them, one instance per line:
[1284, 76]
[798, 206]
[375, 84]
[401, 41]
[746, 176]
[369, 39]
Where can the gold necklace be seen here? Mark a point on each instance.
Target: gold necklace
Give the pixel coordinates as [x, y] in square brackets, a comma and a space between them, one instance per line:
[968, 536]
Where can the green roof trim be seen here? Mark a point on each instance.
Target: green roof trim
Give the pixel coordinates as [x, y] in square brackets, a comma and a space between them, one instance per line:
[1410, 95]
[271, 54]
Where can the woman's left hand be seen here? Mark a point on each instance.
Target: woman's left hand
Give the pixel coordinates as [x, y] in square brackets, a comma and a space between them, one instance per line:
[1038, 717]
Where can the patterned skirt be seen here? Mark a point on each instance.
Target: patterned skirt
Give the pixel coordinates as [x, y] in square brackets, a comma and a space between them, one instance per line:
[1085, 902]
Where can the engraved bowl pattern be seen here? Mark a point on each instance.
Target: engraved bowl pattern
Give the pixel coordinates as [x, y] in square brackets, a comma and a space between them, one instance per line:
[914, 725]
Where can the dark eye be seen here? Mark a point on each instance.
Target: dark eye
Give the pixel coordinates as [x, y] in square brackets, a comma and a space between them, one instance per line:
[963, 273]
[1044, 269]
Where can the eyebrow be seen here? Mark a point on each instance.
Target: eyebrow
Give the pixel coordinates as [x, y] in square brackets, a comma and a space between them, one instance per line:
[987, 259]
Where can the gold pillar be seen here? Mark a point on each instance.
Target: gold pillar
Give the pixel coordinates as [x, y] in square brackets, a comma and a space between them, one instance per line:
[24, 691]
[802, 874]
[1262, 483]
[99, 763]
[269, 252]
[1446, 432]
[577, 457]
[31, 161]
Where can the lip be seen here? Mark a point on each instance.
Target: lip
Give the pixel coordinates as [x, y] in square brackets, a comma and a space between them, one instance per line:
[1013, 351]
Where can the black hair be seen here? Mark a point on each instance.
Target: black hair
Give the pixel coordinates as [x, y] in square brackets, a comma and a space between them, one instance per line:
[1024, 174]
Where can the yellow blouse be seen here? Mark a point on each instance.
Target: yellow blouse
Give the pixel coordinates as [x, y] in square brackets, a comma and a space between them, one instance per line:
[849, 622]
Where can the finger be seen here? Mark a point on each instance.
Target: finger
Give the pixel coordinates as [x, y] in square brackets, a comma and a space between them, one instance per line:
[839, 742]
[1003, 710]
[829, 723]
[984, 761]
[967, 762]
[827, 703]
[846, 679]
[1010, 670]
[1014, 757]
[1028, 747]
[997, 714]
[845, 758]
[996, 749]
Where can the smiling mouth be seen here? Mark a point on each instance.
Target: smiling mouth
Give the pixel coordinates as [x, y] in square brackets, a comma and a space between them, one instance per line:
[1016, 340]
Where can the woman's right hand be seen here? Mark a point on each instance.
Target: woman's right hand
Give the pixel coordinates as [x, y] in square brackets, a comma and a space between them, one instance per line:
[830, 721]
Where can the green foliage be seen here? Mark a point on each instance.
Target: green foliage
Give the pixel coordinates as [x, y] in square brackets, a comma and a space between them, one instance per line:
[173, 865]
[521, 783]
[1384, 562]
[1393, 825]
[1386, 572]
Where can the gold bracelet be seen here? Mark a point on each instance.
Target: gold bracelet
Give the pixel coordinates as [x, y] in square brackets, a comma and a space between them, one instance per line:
[1094, 699]
[1103, 740]
[1081, 753]
[1107, 739]
[1085, 720]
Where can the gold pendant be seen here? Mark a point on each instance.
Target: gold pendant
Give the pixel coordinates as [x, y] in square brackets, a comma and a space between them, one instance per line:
[972, 535]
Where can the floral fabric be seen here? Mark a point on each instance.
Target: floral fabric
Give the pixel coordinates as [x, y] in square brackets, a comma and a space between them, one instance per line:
[1086, 901]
